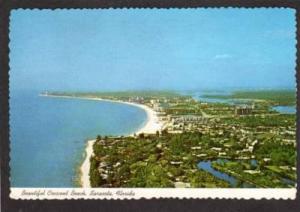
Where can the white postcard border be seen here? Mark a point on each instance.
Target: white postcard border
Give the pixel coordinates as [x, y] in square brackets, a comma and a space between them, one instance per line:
[150, 193]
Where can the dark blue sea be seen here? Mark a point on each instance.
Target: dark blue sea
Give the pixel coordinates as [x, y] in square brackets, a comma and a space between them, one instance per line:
[48, 135]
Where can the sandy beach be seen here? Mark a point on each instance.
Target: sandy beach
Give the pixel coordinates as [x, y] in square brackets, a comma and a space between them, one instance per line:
[151, 126]
[85, 167]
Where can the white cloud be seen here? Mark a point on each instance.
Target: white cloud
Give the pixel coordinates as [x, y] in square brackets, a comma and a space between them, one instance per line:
[222, 56]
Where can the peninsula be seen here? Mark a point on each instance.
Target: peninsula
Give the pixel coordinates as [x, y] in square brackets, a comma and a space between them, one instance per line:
[191, 143]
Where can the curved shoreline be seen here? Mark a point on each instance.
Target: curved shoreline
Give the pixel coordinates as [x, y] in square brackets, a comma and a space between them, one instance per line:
[150, 127]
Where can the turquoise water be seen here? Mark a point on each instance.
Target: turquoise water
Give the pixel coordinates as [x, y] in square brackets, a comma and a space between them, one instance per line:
[48, 135]
[285, 109]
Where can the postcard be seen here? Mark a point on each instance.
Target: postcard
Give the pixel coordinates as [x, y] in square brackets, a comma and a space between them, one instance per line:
[152, 103]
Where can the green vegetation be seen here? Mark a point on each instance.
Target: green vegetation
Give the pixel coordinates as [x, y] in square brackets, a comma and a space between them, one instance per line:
[279, 154]
[149, 161]
[95, 178]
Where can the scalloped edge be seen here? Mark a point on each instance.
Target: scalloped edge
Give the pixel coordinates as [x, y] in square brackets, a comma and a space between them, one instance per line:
[293, 193]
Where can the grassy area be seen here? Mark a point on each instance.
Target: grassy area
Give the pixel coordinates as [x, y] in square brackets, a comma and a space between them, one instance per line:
[276, 97]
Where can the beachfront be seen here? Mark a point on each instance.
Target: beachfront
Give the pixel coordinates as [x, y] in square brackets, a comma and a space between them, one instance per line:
[151, 126]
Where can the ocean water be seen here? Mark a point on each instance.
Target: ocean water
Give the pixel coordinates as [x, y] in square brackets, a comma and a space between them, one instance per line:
[48, 135]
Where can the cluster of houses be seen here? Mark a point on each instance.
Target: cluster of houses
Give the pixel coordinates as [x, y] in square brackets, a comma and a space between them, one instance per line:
[244, 109]
[137, 99]
[181, 123]
[208, 125]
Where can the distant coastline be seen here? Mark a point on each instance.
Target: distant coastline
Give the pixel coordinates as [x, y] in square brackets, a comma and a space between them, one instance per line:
[150, 127]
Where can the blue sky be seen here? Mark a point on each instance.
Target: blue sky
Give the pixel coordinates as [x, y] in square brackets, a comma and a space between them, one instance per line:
[130, 49]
